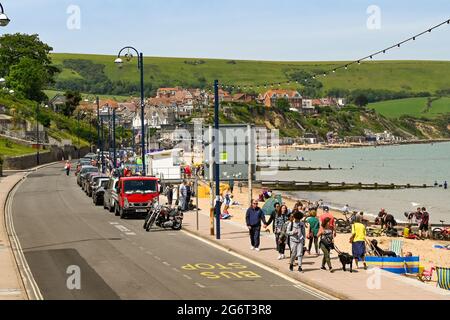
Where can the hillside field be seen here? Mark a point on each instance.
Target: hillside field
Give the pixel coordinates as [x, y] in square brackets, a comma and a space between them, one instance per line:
[414, 76]
[415, 107]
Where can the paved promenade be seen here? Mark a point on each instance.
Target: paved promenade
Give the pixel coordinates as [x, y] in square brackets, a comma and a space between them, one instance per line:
[11, 285]
[360, 285]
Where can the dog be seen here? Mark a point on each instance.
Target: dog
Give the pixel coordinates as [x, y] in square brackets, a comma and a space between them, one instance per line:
[346, 259]
[382, 253]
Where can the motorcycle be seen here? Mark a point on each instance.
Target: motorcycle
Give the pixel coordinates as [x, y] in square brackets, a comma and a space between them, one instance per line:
[164, 217]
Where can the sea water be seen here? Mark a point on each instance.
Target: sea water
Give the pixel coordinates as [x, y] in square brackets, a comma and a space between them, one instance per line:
[416, 164]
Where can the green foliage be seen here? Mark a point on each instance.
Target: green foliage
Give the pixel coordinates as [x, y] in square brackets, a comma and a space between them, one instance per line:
[14, 47]
[45, 119]
[361, 100]
[283, 105]
[29, 78]
[73, 99]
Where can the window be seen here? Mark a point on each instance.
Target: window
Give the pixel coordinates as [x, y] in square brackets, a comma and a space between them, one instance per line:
[142, 186]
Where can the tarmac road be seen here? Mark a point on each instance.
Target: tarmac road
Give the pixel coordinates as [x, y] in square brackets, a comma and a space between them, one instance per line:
[78, 251]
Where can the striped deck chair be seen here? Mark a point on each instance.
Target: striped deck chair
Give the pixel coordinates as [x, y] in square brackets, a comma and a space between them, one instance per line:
[443, 275]
[397, 247]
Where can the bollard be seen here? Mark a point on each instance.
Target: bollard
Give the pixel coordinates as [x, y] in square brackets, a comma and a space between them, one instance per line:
[211, 220]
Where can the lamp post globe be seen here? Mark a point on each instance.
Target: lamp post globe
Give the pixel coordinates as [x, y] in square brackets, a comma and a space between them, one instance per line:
[4, 20]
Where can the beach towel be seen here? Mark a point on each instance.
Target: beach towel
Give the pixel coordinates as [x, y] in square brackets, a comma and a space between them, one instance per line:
[443, 275]
[439, 246]
[401, 265]
[397, 247]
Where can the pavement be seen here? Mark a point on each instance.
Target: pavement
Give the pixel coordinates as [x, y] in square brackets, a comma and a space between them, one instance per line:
[372, 284]
[74, 250]
[11, 285]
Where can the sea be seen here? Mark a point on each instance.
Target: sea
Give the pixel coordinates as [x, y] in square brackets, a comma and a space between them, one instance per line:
[416, 164]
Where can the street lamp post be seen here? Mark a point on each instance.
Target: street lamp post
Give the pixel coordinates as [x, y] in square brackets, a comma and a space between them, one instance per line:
[79, 142]
[114, 139]
[119, 61]
[37, 136]
[98, 127]
[4, 20]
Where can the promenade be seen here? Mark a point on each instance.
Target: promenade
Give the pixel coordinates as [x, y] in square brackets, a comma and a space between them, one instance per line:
[11, 285]
[360, 285]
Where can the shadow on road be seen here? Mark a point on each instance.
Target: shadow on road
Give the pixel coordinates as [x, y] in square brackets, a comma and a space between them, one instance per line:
[54, 273]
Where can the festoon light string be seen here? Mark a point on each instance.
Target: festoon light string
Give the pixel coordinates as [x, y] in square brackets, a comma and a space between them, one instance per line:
[332, 71]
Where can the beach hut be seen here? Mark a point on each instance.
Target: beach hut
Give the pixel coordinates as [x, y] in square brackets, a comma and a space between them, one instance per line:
[401, 265]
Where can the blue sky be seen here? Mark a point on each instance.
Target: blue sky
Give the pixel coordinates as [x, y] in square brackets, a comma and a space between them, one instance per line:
[288, 30]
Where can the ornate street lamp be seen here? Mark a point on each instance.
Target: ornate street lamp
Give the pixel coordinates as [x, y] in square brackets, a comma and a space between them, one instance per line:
[4, 20]
[128, 56]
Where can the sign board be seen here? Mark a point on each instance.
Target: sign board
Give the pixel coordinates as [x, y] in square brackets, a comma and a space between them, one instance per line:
[237, 148]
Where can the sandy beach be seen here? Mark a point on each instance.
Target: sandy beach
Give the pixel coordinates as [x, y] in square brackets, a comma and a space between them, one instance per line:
[423, 248]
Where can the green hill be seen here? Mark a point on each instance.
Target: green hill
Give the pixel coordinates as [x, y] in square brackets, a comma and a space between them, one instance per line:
[412, 76]
[414, 107]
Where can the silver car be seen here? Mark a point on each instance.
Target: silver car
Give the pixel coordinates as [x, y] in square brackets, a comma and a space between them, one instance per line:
[111, 197]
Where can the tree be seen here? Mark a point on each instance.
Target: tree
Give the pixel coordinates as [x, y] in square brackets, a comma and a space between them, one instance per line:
[15, 47]
[28, 77]
[361, 101]
[73, 99]
[283, 105]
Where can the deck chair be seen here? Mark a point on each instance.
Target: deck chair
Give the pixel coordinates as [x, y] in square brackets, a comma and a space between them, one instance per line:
[370, 248]
[443, 275]
[397, 247]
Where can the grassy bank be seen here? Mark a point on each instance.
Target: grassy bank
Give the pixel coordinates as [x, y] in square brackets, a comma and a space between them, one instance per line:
[413, 76]
[8, 148]
[414, 107]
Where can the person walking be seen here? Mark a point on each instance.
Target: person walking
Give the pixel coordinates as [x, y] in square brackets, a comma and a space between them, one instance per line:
[279, 219]
[169, 195]
[254, 217]
[296, 230]
[314, 227]
[67, 167]
[231, 183]
[183, 195]
[326, 235]
[358, 241]
[189, 194]
[327, 214]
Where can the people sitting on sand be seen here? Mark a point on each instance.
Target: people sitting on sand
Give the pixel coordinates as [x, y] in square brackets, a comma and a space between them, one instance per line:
[409, 234]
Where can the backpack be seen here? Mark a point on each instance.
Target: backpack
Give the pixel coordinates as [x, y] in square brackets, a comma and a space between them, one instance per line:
[327, 241]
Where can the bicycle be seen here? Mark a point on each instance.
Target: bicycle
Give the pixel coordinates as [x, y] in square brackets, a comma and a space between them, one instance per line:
[442, 233]
[345, 226]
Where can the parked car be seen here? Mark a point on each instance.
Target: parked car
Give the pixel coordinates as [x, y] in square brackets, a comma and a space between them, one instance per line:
[91, 156]
[87, 180]
[93, 183]
[82, 163]
[83, 172]
[111, 195]
[99, 189]
[135, 196]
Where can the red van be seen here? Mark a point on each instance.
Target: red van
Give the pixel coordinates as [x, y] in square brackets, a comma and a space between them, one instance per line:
[135, 195]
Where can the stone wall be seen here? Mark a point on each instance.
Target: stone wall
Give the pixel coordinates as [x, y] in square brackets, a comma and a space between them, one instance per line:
[54, 155]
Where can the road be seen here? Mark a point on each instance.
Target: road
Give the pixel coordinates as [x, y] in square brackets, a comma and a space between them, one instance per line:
[78, 251]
